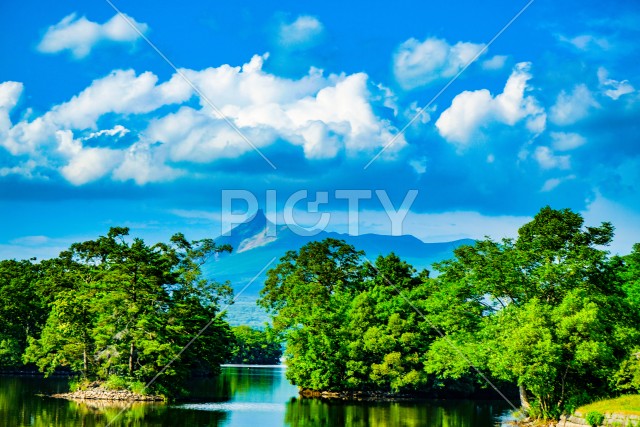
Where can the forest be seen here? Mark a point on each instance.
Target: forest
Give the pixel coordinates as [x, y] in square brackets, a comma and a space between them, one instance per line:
[550, 312]
[550, 315]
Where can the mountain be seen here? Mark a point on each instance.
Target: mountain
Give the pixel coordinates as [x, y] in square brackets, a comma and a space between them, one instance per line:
[254, 246]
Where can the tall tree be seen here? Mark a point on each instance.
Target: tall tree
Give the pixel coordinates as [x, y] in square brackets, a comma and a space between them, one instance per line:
[120, 306]
[22, 311]
[556, 321]
[308, 295]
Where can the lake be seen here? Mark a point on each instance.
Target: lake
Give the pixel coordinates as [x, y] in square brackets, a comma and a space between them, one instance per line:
[241, 396]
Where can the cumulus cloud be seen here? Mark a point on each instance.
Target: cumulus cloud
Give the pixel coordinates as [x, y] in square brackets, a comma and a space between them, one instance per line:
[614, 89]
[121, 92]
[565, 141]
[9, 94]
[574, 106]
[80, 35]
[304, 32]
[419, 63]
[25, 169]
[85, 164]
[419, 165]
[143, 164]
[471, 111]
[547, 159]
[495, 63]
[118, 131]
[326, 116]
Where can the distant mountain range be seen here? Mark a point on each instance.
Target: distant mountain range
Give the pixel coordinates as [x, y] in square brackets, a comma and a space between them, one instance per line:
[253, 247]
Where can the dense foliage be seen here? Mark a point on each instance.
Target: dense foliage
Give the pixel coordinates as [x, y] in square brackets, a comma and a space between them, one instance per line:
[550, 312]
[116, 307]
[255, 346]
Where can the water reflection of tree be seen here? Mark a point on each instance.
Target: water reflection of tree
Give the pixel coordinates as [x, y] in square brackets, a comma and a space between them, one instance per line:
[316, 412]
[245, 383]
[20, 406]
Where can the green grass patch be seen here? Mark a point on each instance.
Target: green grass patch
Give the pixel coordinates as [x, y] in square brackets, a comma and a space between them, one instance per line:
[626, 405]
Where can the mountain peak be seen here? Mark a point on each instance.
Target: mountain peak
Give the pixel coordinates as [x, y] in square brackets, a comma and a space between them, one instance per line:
[256, 231]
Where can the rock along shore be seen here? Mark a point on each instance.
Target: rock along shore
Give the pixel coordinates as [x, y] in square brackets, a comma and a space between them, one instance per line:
[97, 392]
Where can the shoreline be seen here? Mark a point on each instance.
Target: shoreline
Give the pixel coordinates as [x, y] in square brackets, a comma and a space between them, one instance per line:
[381, 396]
[96, 392]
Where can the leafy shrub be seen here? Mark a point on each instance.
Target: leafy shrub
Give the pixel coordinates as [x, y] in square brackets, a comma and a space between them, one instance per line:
[594, 418]
[76, 384]
[137, 387]
[115, 382]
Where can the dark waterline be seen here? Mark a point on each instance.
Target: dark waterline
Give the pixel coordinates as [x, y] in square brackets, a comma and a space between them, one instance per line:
[241, 396]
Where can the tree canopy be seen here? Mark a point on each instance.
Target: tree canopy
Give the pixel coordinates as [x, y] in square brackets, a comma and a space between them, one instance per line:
[116, 306]
[550, 311]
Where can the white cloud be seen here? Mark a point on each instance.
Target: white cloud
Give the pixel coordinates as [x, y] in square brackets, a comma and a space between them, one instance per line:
[573, 107]
[9, 94]
[80, 36]
[85, 164]
[424, 114]
[419, 165]
[143, 164]
[470, 111]
[586, 42]
[303, 32]
[118, 130]
[324, 115]
[547, 159]
[417, 63]
[121, 92]
[614, 89]
[566, 141]
[495, 63]
[23, 169]
[552, 183]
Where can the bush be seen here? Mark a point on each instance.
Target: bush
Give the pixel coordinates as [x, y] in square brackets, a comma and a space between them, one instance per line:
[137, 387]
[594, 418]
[115, 382]
[76, 384]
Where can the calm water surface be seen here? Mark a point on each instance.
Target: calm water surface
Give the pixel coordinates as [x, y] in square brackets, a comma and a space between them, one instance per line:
[241, 396]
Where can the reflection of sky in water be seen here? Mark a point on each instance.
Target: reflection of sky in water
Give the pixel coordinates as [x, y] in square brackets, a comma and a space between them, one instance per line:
[258, 397]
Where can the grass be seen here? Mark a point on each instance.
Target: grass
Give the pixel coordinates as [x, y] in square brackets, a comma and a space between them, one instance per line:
[625, 405]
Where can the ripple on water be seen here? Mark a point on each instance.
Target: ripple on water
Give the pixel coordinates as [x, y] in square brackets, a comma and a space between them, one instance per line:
[234, 406]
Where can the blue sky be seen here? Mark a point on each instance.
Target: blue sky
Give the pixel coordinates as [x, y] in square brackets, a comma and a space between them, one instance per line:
[97, 129]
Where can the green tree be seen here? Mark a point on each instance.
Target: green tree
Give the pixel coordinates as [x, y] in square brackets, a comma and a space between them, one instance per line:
[22, 311]
[386, 343]
[555, 318]
[308, 295]
[255, 347]
[121, 307]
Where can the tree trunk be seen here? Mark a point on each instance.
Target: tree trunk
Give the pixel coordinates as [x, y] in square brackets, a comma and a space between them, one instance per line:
[131, 351]
[84, 359]
[524, 399]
